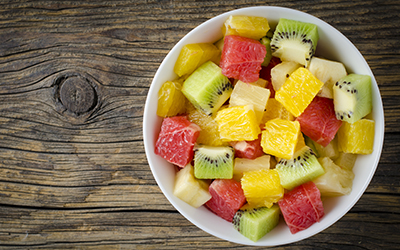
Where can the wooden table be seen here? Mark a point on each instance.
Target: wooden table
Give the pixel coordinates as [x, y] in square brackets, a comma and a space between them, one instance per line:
[73, 82]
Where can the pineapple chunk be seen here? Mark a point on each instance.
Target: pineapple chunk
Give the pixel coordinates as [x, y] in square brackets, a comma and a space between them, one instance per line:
[346, 160]
[357, 138]
[248, 26]
[189, 189]
[244, 94]
[276, 110]
[242, 165]
[281, 72]
[336, 181]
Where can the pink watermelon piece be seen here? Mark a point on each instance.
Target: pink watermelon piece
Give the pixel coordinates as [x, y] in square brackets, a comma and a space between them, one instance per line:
[241, 58]
[318, 121]
[227, 198]
[248, 149]
[176, 140]
[302, 207]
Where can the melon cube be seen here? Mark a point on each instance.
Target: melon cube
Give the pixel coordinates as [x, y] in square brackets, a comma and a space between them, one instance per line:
[357, 138]
[176, 140]
[244, 94]
[238, 123]
[227, 198]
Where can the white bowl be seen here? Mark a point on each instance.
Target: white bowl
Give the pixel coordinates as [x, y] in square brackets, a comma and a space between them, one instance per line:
[331, 45]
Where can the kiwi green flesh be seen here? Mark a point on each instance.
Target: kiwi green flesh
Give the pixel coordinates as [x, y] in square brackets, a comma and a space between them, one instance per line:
[256, 222]
[207, 88]
[301, 168]
[213, 162]
[352, 97]
[267, 43]
[294, 37]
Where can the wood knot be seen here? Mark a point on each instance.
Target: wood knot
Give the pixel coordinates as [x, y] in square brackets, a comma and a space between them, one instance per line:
[77, 95]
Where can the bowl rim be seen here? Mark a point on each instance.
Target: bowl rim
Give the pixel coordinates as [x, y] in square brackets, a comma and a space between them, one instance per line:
[379, 119]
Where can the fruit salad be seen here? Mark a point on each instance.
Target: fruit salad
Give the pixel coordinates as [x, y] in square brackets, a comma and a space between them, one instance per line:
[259, 127]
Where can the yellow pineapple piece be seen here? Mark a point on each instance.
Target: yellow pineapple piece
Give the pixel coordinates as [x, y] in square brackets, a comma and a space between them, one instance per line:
[237, 123]
[244, 94]
[276, 110]
[194, 55]
[171, 100]
[247, 26]
[298, 91]
[280, 137]
[357, 138]
[262, 188]
[209, 134]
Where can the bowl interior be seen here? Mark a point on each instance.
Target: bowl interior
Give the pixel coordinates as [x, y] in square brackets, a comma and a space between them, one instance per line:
[331, 45]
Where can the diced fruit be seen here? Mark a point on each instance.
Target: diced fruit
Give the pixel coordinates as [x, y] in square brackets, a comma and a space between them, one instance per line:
[207, 88]
[248, 149]
[318, 121]
[301, 142]
[209, 134]
[176, 140]
[302, 207]
[331, 150]
[241, 58]
[265, 73]
[352, 97]
[245, 94]
[238, 123]
[227, 198]
[303, 167]
[189, 189]
[262, 188]
[357, 138]
[213, 162]
[171, 101]
[194, 55]
[276, 110]
[267, 43]
[329, 72]
[242, 165]
[346, 160]
[336, 181]
[294, 41]
[260, 82]
[247, 26]
[280, 137]
[281, 72]
[298, 91]
[254, 223]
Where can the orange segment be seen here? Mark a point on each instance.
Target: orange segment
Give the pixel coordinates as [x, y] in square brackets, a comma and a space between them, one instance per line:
[262, 187]
[194, 55]
[276, 110]
[171, 100]
[238, 123]
[280, 137]
[248, 26]
[298, 91]
[357, 138]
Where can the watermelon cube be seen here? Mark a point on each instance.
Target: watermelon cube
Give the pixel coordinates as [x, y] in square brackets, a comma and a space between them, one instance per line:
[241, 58]
[176, 140]
[227, 198]
[318, 121]
[302, 207]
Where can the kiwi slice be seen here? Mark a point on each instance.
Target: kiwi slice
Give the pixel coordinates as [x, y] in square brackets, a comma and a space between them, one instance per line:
[301, 168]
[352, 97]
[294, 41]
[266, 41]
[207, 88]
[211, 162]
[254, 223]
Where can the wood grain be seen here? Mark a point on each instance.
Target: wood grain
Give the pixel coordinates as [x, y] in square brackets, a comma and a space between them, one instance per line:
[80, 180]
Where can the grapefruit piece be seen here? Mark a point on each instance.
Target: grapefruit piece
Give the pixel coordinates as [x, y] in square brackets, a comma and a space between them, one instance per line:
[248, 149]
[227, 198]
[302, 207]
[241, 58]
[318, 121]
[176, 140]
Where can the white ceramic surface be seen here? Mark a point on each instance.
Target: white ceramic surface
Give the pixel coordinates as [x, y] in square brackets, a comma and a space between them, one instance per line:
[331, 45]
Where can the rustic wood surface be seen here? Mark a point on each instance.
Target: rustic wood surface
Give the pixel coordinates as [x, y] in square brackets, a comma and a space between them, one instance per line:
[76, 176]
